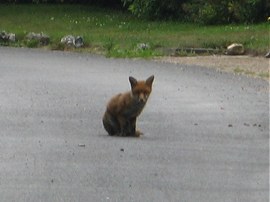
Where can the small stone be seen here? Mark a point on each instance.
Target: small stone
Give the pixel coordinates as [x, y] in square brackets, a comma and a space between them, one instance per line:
[230, 125]
[41, 37]
[122, 150]
[143, 46]
[81, 145]
[3, 36]
[78, 42]
[12, 37]
[7, 37]
[70, 40]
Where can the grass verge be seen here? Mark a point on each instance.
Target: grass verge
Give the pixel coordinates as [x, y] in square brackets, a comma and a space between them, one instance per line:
[117, 34]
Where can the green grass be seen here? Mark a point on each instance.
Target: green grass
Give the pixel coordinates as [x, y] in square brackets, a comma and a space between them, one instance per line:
[117, 34]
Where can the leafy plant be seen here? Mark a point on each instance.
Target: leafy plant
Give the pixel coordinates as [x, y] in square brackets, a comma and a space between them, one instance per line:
[154, 9]
[32, 43]
[109, 45]
[225, 11]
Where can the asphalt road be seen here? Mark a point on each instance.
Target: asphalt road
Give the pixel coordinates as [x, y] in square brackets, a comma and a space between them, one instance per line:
[206, 133]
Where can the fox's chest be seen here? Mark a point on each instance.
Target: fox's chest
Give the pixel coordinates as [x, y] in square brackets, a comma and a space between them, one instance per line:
[134, 110]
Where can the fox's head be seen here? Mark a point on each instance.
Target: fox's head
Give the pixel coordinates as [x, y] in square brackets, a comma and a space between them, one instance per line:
[141, 89]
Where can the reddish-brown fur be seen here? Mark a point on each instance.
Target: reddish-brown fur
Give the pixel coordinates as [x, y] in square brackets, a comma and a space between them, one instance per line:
[124, 108]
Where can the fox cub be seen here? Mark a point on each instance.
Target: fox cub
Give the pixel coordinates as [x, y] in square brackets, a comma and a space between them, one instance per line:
[124, 108]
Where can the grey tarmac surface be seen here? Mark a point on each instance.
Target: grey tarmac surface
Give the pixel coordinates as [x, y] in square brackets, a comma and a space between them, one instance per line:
[206, 133]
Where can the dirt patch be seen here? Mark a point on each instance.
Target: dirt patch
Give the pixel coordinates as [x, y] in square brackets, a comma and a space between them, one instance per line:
[251, 66]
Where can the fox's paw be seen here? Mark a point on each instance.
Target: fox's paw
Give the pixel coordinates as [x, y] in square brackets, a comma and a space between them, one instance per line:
[138, 133]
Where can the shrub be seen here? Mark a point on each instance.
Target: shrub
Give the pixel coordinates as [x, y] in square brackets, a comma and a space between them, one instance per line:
[154, 9]
[225, 11]
[203, 12]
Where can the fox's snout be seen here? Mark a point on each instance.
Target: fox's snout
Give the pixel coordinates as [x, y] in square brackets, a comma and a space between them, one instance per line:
[142, 98]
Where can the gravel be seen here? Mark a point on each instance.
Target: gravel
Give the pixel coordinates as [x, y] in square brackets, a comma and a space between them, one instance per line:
[252, 66]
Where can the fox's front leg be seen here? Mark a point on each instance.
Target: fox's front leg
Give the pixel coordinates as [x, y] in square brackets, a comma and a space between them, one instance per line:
[124, 126]
[133, 130]
[128, 127]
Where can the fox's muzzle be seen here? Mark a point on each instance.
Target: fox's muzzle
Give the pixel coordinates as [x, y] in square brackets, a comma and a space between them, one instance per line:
[142, 98]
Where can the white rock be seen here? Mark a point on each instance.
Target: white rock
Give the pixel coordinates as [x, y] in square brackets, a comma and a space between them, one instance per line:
[12, 37]
[72, 41]
[235, 49]
[42, 38]
[143, 46]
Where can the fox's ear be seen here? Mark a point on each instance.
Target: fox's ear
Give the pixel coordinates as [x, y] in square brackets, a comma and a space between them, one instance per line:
[149, 81]
[133, 81]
